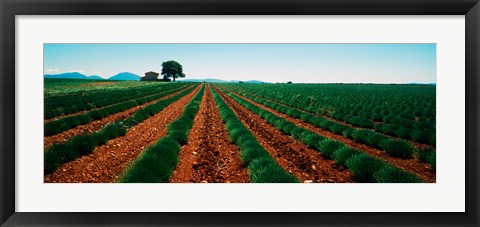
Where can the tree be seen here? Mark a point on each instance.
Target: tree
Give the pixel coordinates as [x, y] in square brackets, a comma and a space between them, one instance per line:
[172, 69]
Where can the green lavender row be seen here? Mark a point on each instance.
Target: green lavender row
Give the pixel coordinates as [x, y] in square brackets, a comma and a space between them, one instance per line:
[79, 101]
[84, 144]
[158, 161]
[364, 168]
[262, 166]
[394, 147]
[66, 123]
[362, 105]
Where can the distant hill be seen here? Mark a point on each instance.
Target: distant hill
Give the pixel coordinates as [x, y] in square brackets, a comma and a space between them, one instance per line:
[255, 82]
[415, 83]
[95, 77]
[249, 81]
[209, 80]
[125, 76]
[72, 75]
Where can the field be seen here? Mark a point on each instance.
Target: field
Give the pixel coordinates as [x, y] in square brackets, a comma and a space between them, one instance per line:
[131, 132]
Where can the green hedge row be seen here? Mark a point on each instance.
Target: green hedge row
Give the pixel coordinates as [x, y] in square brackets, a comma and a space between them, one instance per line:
[158, 161]
[66, 123]
[80, 145]
[364, 168]
[393, 147]
[262, 166]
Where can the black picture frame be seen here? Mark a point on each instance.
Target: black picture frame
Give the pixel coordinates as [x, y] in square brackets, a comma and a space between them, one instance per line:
[10, 8]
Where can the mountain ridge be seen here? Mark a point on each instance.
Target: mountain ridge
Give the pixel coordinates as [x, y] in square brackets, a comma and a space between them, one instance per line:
[68, 75]
[77, 75]
[125, 76]
[95, 77]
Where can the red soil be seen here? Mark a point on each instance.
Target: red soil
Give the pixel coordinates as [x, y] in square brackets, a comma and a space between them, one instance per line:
[304, 163]
[413, 165]
[84, 111]
[108, 161]
[417, 145]
[209, 155]
[98, 124]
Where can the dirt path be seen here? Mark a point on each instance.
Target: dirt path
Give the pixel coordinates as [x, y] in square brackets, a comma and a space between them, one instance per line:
[413, 165]
[295, 157]
[98, 124]
[209, 155]
[417, 145]
[84, 111]
[108, 161]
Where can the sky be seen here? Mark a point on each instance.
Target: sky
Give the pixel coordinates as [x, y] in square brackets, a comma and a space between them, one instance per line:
[299, 63]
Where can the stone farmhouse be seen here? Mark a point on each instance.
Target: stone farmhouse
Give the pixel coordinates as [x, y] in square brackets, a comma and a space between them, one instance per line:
[150, 76]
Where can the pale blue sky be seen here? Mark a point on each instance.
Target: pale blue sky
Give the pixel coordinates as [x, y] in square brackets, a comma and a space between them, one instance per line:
[309, 63]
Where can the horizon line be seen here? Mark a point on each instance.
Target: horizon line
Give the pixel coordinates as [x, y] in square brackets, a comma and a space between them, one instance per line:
[213, 78]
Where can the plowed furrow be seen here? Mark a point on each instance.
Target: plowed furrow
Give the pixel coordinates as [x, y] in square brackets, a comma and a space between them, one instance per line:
[209, 155]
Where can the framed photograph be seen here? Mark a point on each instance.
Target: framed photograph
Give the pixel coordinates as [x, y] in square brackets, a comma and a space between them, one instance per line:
[237, 113]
